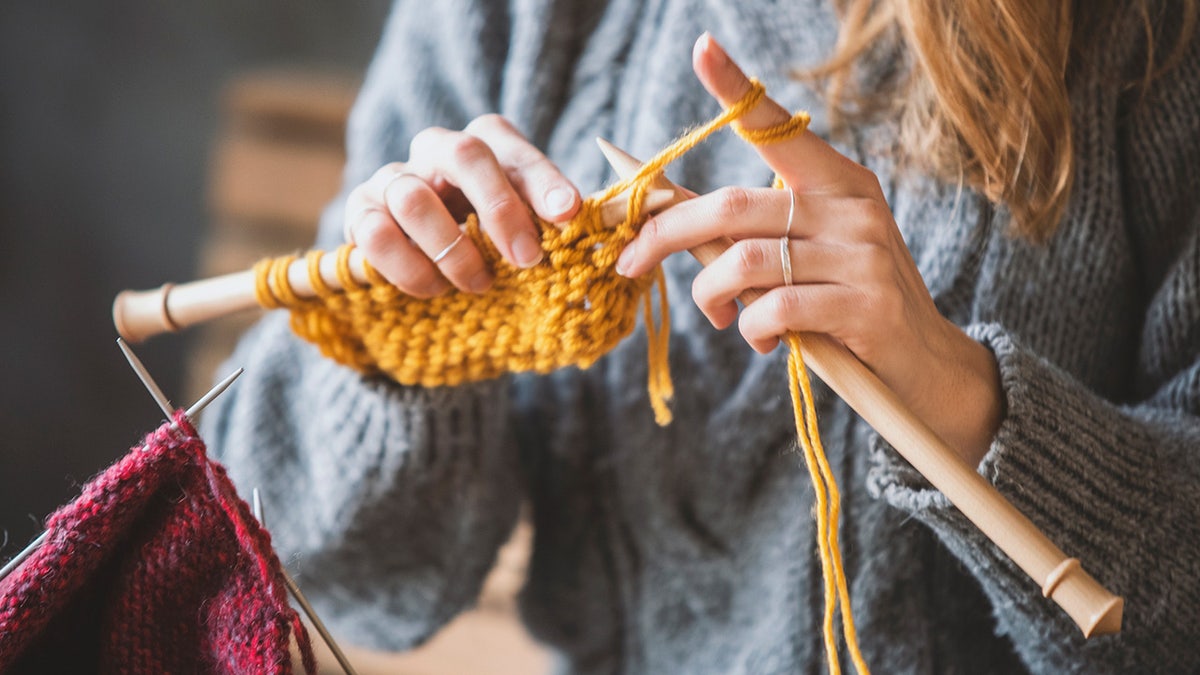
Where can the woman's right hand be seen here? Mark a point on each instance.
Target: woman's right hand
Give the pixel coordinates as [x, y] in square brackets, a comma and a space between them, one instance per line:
[406, 215]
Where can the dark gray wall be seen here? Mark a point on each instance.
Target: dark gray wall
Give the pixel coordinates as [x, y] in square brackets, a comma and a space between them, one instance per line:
[107, 114]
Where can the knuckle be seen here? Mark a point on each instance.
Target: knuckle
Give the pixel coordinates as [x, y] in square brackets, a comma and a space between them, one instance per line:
[651, 233]
[750, 256]
[873, 218]
[491, 122]
[783, 304]
[375, 235]
[422, 281]
[356, 198]
[387, 170]
[467, 149]
[407, 202]
[526, 158]
[732, 202]
[874, 260]
[423, 140]
[502, 209]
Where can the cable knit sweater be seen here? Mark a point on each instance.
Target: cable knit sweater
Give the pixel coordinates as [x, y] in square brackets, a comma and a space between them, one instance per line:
[690, 549]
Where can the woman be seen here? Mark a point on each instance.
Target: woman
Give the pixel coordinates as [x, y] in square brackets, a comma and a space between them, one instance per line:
[1018, 259]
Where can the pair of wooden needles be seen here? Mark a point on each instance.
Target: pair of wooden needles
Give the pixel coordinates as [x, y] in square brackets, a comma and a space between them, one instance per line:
[164, 404]
[140, 314]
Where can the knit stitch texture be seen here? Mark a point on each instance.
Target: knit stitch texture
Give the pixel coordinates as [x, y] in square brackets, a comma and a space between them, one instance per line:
[690, 548]
[156, 568]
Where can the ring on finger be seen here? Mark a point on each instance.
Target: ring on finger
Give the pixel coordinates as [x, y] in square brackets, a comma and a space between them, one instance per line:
[791, 212]
[785, 259]
[446, 251]
[785, 252]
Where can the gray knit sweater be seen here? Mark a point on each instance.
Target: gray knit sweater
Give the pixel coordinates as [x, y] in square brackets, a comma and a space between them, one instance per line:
[690, 549]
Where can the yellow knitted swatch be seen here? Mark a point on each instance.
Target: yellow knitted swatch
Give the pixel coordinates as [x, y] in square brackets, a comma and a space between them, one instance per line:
[570, 309]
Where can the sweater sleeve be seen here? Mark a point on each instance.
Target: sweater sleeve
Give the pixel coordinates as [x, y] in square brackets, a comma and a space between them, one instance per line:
[1114, 484]
[388, 502]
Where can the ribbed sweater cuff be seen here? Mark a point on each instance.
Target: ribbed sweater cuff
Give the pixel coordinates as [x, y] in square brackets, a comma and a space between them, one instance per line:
[1066, 459]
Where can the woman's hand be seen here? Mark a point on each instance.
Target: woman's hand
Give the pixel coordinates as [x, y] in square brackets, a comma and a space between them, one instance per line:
[852, 276]
[405, 217]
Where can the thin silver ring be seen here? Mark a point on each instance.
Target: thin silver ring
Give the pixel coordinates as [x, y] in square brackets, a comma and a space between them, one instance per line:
[785, 257]
[791, 212]
[785, 252]
[446, 251]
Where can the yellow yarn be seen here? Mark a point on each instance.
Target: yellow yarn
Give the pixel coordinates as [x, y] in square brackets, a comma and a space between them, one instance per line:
[570, 309]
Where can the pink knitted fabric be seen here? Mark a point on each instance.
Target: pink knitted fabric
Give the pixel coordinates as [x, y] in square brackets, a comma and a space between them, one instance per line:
[157, 567]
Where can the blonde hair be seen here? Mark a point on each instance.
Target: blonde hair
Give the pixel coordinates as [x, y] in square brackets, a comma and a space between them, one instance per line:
[981, 96]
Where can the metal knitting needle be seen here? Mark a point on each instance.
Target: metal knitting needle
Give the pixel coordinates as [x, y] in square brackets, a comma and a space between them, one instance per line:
[303, 602]
[213, 394]
[163, 402]
[20, 557]
[156, 392]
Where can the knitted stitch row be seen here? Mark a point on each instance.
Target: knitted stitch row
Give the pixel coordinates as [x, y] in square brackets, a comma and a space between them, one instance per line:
[157, 567]
[570, 309]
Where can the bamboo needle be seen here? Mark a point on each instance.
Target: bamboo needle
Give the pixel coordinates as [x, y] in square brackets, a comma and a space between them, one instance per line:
[1093, 608]
[139, 315]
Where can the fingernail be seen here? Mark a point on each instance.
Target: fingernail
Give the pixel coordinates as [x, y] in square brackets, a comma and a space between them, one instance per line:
[526, 250]
[480, 282]
[558, 200]
[625, 260]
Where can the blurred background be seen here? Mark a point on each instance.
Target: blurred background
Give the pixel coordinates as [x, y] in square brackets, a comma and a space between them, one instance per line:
[145, 142]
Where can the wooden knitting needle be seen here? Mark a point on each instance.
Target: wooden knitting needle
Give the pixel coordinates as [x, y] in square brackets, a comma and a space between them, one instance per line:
[1093, 608]
[138, 315]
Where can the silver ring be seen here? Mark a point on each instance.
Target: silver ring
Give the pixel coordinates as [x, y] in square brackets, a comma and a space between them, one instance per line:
[446, 251]
[791, 212]
[785, 258]
[785, 252]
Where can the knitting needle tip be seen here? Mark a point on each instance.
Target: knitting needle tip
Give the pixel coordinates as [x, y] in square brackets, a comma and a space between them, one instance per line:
[626, 165]
[156, 392]
[213, 393]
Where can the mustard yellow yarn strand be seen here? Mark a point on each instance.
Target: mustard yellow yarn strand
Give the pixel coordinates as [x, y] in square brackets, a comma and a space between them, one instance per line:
[828, 512]
[570, 309]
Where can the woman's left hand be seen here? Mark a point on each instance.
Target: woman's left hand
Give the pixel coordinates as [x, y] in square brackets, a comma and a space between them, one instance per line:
[852, 276]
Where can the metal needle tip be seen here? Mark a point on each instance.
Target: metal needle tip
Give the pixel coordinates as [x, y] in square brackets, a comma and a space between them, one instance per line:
[156, 392]
[213, 393]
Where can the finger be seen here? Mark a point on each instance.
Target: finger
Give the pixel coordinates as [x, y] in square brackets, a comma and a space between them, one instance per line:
[395, 257]
[804, 162]
[468, 163]
[536, 178]
[816, 308]
[733, 212]
[758, 263]
[420, 213]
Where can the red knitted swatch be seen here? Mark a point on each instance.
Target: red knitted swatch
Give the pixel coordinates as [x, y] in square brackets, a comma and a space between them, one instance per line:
[157, 567]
